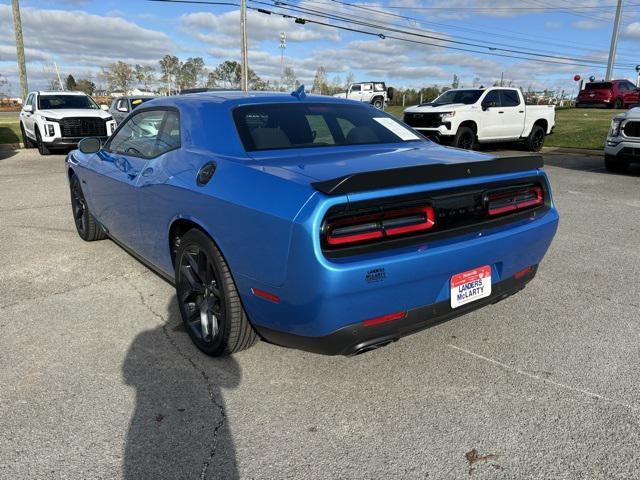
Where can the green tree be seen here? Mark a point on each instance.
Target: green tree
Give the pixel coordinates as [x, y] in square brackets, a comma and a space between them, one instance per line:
[144, 75]
[456, 81]
[190, 73]
[86, 86]
[4, 86]
[70, 83]
[119, 76]
[226, 75]
[169, 69]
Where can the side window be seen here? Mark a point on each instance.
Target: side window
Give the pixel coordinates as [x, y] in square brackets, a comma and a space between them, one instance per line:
[122, 105]
[510, 98]
[148, 134]
[367, 87]
[356, 88]
[493, 97]
[34, 97]
[622, 86]
[28, 100]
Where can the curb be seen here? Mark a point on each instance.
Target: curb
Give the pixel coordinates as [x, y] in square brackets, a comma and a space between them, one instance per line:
[11, 146]
[572, 151]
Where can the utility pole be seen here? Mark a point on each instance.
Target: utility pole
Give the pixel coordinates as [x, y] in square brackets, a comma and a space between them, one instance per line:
[22, 68]
[283, 46]
[243, 46]
[614, 40]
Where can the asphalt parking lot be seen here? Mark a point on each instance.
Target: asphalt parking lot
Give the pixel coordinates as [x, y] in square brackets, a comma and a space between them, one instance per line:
[99, 380]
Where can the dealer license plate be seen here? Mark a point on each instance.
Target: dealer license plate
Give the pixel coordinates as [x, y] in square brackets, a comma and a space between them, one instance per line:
[467, 287]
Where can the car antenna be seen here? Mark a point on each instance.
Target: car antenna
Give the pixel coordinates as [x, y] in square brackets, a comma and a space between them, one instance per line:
[299, 93]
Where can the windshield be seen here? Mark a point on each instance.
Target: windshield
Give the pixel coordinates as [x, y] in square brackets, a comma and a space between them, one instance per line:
[53, 102]
[458, 96]
[279, 126]
[598, 86]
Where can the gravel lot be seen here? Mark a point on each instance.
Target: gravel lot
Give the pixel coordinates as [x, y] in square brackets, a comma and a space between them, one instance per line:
[99, 380]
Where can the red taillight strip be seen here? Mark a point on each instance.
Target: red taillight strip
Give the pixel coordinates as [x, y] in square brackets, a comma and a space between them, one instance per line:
[266, 295]
[380, 225]
[512, 196]
[384, 318]
[525, 271]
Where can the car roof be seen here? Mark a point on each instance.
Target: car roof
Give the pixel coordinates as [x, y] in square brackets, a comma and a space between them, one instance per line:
[54, 92]
[233, 98]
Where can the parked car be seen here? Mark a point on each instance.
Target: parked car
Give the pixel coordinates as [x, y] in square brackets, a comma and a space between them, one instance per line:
[121, 106]
[375, 93]
[312, 222]
[464, 117]
[51, 120]
[623, 142]
[613, 94]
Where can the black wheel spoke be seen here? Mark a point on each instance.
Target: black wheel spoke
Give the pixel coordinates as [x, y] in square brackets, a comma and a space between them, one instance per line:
[192, 279]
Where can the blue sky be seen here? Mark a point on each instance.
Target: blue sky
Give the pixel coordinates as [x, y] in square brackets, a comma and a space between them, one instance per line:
[83, 35]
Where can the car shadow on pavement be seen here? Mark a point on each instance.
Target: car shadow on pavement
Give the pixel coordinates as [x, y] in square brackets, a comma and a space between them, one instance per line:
[179, 427]
[5, 154]
[587, 163]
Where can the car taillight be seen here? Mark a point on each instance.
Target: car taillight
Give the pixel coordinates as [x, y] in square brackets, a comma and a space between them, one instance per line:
[379, 225]
[499, 203]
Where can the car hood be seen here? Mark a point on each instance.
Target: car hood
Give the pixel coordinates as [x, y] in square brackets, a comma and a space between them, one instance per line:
[633, 113]
[326, 163]
[437, 108]
[59, 113]
[340, 95]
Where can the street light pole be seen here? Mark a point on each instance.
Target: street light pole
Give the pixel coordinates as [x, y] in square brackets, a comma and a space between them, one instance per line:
[243, 46]
[22, 68]
[614, 40]
[283, 46]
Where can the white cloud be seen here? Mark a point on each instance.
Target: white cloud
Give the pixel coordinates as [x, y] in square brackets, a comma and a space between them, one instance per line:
[632, 30]
[588, 24]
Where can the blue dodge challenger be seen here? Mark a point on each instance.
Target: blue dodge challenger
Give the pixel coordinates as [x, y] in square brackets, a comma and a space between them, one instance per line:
[311, 222]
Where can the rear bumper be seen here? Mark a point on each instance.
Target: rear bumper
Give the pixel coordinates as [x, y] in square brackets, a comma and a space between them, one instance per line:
[357, 338]
[593, 103]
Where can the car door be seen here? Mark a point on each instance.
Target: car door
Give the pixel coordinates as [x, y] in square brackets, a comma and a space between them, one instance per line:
[27, 117]
[513, 116]
[156, 200]
[118, 167]
[490, 126]
[355, 93]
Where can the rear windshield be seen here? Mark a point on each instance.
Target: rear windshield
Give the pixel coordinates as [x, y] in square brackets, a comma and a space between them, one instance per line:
[53, 102]
[467, 97]
[598, 86]
[280, 126]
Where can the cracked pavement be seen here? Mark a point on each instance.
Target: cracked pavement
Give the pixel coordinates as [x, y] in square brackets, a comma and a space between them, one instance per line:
[98, 378]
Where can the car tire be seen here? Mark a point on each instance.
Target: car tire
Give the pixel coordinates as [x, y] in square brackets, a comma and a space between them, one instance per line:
[42, 148]
[378, 102]
[86, 224]
[26, 141]
[464, 139]
[618, 104]
[209, 302]
[615, 165]
[535, 140]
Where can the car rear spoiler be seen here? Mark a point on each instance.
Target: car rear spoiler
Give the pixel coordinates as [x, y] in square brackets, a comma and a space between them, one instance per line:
[401, 177]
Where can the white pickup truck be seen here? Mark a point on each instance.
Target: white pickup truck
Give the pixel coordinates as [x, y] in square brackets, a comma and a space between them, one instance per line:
[466, 116]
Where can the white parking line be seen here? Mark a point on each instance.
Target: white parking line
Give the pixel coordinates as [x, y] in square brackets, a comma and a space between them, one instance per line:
[544, 380]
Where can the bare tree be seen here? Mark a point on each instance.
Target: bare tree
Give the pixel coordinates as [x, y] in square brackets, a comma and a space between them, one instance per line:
[289, 79]
[169, 68]
[119, 76]
[4, 86]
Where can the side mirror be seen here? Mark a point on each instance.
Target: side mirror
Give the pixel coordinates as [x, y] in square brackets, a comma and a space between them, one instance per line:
[487, 104]
[104, 107]
[28, 108]
[390, 93]
[89, 145]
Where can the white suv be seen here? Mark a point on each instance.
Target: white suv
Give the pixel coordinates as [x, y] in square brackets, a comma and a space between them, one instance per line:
[61, 119]
[375, 93]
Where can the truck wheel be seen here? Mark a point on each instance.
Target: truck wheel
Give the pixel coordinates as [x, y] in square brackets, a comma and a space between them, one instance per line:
[615, 165]
[87, 226]
[535, 140]
[465, 138]
[42, 148]
[208, 299]
[378, 102]
[618, 104]
[26, 141]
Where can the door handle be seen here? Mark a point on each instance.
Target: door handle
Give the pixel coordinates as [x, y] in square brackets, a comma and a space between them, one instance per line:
[520, 111]
[501, 111]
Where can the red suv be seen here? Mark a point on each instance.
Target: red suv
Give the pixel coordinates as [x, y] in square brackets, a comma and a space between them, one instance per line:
[613, 94]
